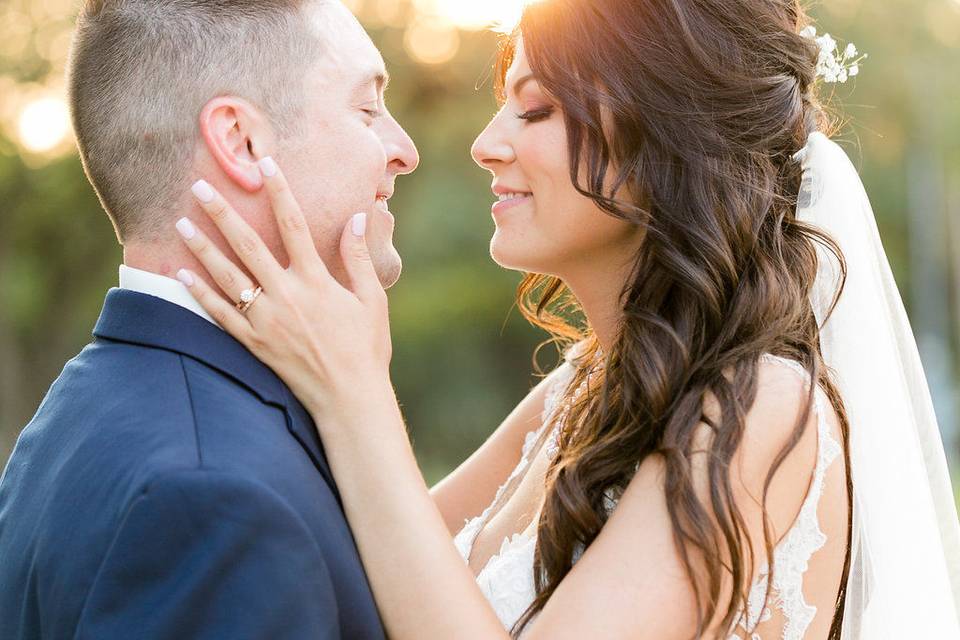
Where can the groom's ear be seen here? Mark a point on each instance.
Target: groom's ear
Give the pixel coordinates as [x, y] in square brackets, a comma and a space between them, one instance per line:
[235, 134]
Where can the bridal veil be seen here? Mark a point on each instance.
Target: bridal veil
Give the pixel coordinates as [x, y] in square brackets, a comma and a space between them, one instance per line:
[904, 579]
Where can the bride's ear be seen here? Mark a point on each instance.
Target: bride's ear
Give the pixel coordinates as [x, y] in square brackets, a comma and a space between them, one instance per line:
[235, 133]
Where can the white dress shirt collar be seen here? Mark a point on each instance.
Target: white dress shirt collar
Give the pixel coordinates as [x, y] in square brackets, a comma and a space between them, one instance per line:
[162, 287]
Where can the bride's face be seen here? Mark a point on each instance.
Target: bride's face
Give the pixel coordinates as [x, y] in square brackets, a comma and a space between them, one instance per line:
[545, 226]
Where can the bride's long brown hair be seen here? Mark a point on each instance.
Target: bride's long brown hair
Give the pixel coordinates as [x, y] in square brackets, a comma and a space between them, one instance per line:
[694, 108]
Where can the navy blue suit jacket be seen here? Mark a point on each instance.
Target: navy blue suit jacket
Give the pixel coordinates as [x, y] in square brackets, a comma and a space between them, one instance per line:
[171, 487]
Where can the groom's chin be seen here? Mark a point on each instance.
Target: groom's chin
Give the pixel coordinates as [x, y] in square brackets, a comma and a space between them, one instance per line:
[388, 266]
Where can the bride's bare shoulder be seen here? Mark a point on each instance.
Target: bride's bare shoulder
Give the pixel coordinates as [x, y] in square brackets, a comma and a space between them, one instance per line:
[472, 486]
[782, 398]
[770, 425]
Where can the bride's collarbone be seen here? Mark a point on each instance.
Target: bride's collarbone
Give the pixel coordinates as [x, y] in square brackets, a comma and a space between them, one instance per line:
[517, 515]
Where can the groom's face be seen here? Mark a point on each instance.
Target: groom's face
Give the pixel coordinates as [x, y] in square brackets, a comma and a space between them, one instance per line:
[353, 149]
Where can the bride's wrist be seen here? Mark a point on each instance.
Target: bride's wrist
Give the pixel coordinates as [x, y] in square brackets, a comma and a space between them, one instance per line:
[355, 409]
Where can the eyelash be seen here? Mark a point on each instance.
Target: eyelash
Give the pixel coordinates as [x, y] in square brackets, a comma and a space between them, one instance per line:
[373, 113]
[536, 115]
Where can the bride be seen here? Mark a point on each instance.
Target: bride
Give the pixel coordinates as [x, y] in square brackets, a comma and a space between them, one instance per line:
[736, 445]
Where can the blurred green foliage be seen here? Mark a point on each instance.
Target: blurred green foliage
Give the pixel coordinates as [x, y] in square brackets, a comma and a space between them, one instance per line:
[462, 353]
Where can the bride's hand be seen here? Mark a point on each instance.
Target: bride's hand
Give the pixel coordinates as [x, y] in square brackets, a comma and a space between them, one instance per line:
[330, 344]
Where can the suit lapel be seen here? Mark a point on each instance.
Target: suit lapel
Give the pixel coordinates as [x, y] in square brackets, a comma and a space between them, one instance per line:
[144, 320]
[303, 429]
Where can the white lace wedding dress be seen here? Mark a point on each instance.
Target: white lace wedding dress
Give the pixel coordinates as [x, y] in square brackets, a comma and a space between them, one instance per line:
[507, 579]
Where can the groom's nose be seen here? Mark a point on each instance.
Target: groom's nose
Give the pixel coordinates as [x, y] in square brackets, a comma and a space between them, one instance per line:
[402, 154]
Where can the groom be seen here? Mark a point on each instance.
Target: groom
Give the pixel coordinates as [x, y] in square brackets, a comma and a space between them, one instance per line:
[170, 486]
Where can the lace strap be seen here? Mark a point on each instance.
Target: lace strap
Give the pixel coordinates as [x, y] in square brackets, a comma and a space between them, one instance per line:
[792, 555]
[827, 446]
[820, 401]
[561, 378]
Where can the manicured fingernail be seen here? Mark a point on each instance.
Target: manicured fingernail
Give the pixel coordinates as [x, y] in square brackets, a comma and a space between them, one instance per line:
[186, 228]
[203, 191]
[185, 277]
[268, 167]
[359, 224]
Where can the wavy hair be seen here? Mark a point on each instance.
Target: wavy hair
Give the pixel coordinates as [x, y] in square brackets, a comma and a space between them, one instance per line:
[694, 108]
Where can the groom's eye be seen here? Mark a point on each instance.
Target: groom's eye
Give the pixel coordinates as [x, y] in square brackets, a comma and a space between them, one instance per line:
[373, 110]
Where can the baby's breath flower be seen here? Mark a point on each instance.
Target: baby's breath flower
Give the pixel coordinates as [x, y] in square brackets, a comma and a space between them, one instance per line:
[827, 43]
[833, 66]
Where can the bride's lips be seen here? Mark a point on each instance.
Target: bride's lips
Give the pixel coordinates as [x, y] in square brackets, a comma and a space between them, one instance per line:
[509, 199]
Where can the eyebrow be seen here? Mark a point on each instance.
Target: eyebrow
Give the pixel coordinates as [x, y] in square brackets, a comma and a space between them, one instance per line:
[380, 78]
[519, 84]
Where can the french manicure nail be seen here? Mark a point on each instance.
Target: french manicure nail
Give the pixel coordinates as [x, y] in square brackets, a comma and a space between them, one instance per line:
[203, 191]
[185, 277]
[186, 228]
[268, 167]
[359, 224]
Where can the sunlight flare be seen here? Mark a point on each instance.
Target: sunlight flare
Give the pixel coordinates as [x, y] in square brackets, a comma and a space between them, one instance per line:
[502, 15]
[432, 41]
[44, 124]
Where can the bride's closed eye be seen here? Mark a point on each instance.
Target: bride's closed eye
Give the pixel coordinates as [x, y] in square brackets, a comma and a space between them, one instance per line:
[536, 115]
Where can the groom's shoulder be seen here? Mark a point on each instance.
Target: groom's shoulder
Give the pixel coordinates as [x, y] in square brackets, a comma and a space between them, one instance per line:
[124, 405]
[122, 418]
[158, 384]
[113, 381]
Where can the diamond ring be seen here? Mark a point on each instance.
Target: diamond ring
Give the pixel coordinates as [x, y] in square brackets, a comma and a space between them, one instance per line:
[247, 298]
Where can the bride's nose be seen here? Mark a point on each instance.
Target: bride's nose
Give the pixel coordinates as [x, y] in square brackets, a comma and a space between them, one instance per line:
[492, 148]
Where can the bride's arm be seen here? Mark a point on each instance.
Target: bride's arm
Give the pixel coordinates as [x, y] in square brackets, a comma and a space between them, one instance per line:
[468, 490]
[331, 346]
[423, 587]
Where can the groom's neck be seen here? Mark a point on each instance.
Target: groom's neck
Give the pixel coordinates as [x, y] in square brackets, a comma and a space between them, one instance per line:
[164, 259]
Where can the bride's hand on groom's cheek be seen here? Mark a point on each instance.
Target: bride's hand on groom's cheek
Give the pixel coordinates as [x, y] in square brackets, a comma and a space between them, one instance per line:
[329, 343]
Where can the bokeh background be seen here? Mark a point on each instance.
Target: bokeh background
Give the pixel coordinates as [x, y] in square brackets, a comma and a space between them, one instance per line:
[463, 354]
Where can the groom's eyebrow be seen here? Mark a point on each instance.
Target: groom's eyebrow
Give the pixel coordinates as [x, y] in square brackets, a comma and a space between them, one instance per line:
[380, 78]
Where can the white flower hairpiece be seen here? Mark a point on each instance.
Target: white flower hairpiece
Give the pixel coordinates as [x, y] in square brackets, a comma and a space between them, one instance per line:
[833, 66]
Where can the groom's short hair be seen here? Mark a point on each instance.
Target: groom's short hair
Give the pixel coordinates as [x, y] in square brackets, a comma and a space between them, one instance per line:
[141, 72]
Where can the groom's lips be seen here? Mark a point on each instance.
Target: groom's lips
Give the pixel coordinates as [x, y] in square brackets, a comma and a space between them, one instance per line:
[382, 206]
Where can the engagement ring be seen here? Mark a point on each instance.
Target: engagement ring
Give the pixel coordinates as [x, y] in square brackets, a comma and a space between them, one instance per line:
[247, 298]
